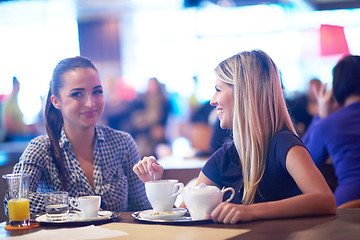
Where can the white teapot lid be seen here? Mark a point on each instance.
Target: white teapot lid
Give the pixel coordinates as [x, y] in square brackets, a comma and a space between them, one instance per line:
[202, 188]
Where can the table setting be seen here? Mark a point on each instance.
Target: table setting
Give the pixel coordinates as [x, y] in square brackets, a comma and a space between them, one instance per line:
[60, 209]
[76, 218]
[200, 201]
[82, 219]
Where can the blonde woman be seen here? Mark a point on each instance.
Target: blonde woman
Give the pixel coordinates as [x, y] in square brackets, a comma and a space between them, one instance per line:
[267, 163]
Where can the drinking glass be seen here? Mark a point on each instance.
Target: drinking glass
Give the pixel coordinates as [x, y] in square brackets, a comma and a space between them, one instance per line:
[57, 206]
[17, 199]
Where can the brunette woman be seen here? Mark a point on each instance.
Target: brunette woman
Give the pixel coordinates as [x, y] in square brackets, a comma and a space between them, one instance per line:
[77, 155]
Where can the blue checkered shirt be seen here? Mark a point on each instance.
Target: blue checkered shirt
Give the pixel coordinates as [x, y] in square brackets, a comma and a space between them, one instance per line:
[115, 153]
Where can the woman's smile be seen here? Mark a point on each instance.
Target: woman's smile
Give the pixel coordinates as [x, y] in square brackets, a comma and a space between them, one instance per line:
[224, 101]
[89, 114]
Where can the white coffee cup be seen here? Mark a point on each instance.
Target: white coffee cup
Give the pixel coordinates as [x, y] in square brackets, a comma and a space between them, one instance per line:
[162, 194]
[202, 200]
[88, 205]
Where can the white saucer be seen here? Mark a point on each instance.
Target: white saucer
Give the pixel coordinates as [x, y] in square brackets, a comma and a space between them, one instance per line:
[77, 217]
[176, 213]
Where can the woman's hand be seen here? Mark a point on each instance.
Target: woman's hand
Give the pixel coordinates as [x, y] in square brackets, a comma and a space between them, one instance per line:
[148, 168]
[230, 213]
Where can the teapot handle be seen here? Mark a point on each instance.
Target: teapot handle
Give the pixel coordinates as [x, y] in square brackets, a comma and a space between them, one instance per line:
[232, 193]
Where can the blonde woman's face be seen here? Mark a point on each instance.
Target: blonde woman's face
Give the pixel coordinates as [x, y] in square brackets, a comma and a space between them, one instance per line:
[223, 100]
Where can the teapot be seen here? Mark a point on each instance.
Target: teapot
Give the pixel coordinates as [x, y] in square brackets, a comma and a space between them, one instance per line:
[202, 200]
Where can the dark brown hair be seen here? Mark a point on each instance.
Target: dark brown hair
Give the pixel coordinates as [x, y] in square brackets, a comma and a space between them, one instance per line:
[346, 78]
[53, 117]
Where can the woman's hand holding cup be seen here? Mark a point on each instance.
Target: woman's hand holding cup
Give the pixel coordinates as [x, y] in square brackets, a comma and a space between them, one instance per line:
[148, 169]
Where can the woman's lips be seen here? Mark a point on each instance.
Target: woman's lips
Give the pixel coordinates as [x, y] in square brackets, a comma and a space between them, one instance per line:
[219, 113]
[89, 113]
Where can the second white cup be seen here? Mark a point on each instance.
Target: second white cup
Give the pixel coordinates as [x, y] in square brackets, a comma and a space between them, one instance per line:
[88, 205]
[162, 194]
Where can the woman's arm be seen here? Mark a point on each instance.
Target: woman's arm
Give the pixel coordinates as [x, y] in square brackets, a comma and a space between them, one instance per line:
[316, 199]
[35, 159]
[204, 179]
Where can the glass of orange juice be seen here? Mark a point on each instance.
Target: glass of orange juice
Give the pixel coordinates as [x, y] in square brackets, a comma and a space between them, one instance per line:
[17, 199]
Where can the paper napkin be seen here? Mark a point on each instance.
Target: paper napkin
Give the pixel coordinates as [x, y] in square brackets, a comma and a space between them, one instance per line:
[79, 233]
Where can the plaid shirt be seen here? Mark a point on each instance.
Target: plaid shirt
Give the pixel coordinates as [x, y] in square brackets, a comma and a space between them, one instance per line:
[115, 153]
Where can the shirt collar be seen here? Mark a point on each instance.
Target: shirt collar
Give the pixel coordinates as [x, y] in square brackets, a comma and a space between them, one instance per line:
[99, 133]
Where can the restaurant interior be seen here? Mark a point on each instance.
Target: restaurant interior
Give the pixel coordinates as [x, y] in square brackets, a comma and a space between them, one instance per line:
[174, 44]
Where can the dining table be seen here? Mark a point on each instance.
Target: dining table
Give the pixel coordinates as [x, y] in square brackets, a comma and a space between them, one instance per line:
[345, 224]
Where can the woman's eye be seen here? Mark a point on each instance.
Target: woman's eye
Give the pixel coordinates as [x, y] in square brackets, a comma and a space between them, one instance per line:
[98, 92]
[217, 89]
[76, 94]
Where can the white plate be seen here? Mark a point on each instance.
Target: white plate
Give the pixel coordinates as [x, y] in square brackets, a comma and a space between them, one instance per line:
[75, 216]
[176, 213]
[182, 217]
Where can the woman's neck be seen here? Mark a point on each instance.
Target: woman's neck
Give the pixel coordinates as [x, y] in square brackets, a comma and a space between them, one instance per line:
[80, 136]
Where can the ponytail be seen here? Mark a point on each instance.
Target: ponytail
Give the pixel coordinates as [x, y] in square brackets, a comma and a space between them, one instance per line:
[53, 125]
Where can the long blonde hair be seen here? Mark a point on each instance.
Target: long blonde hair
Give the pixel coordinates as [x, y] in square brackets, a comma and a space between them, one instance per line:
[259, 112]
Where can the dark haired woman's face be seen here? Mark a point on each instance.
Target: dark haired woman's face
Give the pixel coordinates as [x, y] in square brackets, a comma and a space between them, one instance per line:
[81, 99]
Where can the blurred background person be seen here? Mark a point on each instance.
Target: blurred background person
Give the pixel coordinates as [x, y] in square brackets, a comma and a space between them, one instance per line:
[302, 106]
[143, 115]
[12, 125]
[297, 107]
[219, 136]
[120, 104]
[148, 120]
[335, 130]
[313, 87]
[194, 102]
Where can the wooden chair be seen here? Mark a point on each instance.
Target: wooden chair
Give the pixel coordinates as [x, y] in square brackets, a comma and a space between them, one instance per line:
[351, 204]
